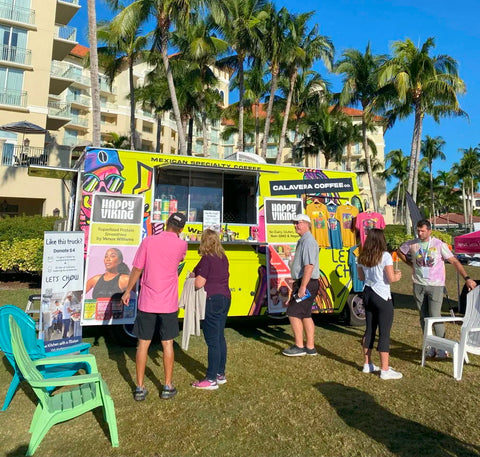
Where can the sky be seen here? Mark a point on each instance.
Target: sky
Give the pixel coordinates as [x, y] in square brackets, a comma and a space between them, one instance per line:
[354, 23]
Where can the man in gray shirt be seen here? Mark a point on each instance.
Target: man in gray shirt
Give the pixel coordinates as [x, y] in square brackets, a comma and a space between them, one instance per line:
[305, 272]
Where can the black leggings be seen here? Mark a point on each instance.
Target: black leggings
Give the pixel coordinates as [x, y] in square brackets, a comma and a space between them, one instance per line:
[379, 313]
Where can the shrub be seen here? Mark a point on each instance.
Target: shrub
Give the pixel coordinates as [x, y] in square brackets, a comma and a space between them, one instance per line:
[21, 243]
[25, 227]
[395, 235]
[23, 256]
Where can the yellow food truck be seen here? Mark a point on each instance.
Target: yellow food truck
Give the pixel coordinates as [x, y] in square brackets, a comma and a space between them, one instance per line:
[249, 202]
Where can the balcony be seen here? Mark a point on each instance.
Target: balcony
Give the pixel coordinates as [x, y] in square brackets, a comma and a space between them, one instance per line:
[66, 9]
[78, 122]
[15, 15]
[80, 80]
[108, 108]
[64, 40]
[16, 55]
[104, 86]
[59, 114]
[23, 156]
[79, 101]
[61, 77]
[15, 98]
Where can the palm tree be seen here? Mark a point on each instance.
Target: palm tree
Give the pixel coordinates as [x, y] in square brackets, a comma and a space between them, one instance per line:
[275, 46]
[121, 47]
[239, 22]
[116, 141]
[155, 95]
[432, 149]
[308, 93]
[307, 47]
[165, 13]
[325, 131]
[200, 47]
[360, 85]
[425, 85]
[469, 171]
[255, 89]
[94, 84]
[398, 169]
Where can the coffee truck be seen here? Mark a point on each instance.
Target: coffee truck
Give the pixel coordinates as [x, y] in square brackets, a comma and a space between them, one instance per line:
[121, 196]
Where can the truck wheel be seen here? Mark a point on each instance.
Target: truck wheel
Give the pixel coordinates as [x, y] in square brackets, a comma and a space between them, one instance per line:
[122, 335]
[355, 310]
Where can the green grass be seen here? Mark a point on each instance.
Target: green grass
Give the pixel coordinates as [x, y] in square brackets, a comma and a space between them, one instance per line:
[273, 405]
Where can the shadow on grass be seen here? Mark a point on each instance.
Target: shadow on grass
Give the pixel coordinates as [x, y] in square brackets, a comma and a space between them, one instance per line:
[264, 330]
[20, 451]
[27, 390]
[402, 437]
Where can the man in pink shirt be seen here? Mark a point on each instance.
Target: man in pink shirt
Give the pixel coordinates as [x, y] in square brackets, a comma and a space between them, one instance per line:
[157, 258]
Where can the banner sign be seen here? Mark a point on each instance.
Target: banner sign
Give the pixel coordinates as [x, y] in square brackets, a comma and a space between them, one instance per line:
[311, 186]
[278, 219]
[114, 235]
[62, 286]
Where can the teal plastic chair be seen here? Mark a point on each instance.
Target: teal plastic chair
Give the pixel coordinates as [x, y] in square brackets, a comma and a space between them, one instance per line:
[88, 391]
[35, 348]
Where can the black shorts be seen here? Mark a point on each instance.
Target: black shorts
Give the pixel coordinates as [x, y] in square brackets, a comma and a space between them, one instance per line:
[146, 324]
[303, 309]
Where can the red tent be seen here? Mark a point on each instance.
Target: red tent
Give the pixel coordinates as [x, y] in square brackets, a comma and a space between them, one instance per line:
[468, 244]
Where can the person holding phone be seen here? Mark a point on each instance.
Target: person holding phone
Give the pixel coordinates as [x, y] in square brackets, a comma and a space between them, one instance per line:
[375, 267]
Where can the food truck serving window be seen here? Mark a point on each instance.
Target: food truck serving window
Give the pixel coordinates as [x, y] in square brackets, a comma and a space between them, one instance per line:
[194, 191]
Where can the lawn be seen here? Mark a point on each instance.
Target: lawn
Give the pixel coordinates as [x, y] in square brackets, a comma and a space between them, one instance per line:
[272, 405]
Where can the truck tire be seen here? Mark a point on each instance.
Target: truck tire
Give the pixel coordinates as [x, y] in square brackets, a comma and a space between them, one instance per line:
[122, 335]
[355, 310]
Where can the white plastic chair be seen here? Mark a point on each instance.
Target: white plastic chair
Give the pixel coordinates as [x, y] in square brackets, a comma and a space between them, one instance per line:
[469, 335]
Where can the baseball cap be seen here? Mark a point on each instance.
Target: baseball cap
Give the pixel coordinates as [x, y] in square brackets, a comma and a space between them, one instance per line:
[177, 219]
[98, 158]
[301, 217]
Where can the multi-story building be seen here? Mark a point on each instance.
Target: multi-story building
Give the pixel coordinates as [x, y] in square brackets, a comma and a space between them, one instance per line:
[34, 33]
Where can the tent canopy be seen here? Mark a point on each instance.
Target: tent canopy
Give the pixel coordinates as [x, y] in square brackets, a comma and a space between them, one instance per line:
[468, 243]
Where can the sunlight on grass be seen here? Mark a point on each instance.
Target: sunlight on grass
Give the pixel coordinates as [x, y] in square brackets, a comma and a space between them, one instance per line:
[273, 405]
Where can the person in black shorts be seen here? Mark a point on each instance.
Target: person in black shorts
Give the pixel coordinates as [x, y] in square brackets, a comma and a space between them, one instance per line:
[306, 272]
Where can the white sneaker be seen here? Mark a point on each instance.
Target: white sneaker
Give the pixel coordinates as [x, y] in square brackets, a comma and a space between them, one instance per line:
[441, 354]
[430, 352]
[370, 368]
[390, 374]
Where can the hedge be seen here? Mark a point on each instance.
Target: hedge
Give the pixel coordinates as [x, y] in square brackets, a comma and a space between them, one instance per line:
[21, 243]
[395, 235]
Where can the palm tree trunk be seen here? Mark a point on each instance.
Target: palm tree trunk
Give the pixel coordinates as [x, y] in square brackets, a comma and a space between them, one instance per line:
[257, 128]
[464, 198]
[417, 155]
[241, 94]
[398, 202]
[349, 157]
[472, 201]
[368, 162]
[133, 133]
[205, 133]
[190, 136]
[159, 132]
[182, 145]
[268, 118]
[417, 129]
[293, 79]
[431, 196]
[92, 39]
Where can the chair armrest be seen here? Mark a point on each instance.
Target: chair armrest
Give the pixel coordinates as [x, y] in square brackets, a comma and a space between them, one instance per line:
[88, 359]
[429, 321]
[69, 381]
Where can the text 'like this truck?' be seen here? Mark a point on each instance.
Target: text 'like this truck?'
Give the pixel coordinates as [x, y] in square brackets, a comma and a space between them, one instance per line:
[122, 196]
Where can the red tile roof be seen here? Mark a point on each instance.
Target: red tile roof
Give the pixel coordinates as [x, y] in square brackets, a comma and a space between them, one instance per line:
[452, 218]
[79, 51]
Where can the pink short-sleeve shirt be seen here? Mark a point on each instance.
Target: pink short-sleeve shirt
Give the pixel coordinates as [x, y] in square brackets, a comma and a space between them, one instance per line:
[159, 257]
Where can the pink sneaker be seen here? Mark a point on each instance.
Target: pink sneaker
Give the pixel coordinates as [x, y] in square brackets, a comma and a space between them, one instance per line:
[221, 379]
[205, 384]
